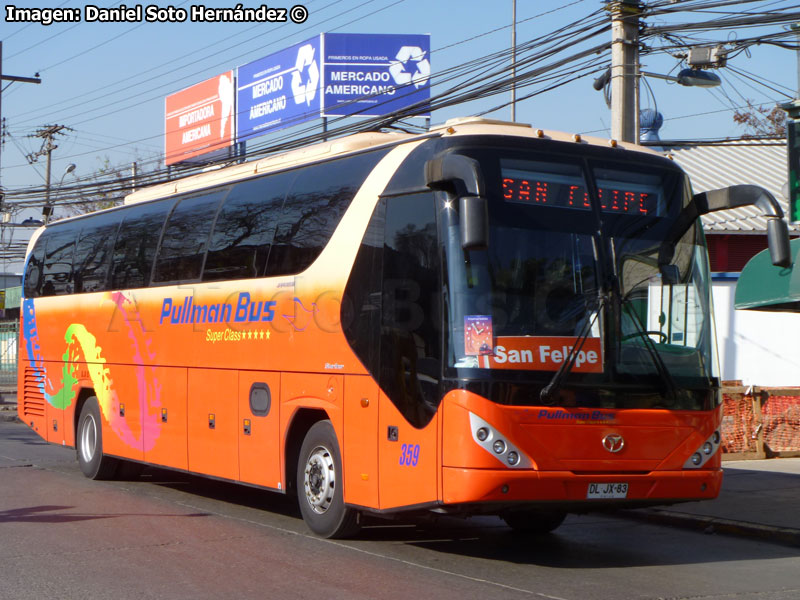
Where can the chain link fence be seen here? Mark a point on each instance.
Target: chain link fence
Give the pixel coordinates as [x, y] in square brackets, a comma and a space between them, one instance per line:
[9, 343]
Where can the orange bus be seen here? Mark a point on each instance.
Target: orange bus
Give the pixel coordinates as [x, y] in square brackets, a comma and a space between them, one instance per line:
[483, 319]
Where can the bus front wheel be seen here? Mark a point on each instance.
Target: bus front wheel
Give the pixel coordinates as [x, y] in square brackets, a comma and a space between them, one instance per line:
[319, 485]
[89, 443]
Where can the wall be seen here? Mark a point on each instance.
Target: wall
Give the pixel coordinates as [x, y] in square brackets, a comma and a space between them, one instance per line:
[759, 348]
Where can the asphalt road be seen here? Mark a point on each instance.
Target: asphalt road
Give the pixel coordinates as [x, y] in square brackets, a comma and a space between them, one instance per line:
[170, 535]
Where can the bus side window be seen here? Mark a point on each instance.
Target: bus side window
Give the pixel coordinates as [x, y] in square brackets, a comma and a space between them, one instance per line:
[33, 270]
[244, 228]
[183, 245]
[59, 251]
[93, 253]
[312, 210]
[136, 244]
[410, 334]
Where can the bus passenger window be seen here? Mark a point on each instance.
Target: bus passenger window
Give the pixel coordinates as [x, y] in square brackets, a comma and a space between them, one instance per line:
[316, 203]
[57, 272]
[244, 228]
[183, 245]
[93, 253]
[136, 244]
[33, 271]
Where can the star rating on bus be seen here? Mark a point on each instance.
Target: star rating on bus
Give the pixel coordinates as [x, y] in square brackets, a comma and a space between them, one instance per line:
[234, 335]
[260, 334]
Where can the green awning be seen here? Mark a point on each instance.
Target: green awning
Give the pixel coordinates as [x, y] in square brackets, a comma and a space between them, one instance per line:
[763, 286]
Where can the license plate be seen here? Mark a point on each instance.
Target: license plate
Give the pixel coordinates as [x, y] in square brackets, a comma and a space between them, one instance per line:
[607, 490]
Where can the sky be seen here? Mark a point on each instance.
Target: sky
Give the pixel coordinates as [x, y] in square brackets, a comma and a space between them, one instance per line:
[107, 82]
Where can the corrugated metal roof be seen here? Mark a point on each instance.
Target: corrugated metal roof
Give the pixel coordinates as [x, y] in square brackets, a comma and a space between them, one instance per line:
[713, 165]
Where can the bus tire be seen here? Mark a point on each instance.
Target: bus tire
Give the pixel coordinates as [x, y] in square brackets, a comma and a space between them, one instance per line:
[89, 443]
[532, 521]
[319, 485]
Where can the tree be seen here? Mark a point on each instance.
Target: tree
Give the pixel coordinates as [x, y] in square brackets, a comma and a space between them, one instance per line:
[760, 121]
[105, 188]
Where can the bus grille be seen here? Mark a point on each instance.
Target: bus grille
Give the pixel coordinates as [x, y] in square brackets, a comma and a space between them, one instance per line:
[33, 401]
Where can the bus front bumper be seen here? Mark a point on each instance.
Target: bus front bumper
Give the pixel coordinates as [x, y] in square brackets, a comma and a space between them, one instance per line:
[586, 490]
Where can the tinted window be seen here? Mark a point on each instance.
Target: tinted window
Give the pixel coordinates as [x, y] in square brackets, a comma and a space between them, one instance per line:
[410, 344]
[136, 244]
[33, 270]
[319, 197]
[183, 245]
[361, 304]
[58, 253]
[244, 228]
[93, 252]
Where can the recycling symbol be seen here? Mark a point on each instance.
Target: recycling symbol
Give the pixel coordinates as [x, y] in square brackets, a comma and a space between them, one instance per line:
[304, 91]
[411, 66]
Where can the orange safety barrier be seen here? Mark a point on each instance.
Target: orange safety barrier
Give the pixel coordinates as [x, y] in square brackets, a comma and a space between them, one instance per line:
[760, 421]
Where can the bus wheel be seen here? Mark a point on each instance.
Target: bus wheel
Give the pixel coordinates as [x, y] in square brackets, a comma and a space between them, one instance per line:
[535, 522]
[319, 485]
[89, 443]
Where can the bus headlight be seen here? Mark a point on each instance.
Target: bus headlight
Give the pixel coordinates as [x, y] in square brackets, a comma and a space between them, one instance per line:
[708, 449]
[497, 444]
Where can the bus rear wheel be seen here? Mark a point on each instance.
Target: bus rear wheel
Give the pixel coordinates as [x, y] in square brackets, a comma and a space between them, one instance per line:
[534, 522]
[319, 485]
[89, 443]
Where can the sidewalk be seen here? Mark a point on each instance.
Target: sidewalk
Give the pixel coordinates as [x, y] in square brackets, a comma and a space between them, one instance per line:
[759, 498]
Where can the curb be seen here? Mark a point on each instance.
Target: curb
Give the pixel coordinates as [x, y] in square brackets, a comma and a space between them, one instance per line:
[776, 535]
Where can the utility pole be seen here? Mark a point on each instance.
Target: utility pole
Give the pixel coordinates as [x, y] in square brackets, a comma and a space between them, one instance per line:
[625, 69]
[793, 144]
[513, 60]
[11, 78]
[47, 134]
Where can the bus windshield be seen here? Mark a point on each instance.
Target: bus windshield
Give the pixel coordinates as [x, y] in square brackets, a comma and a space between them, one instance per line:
[572, 262]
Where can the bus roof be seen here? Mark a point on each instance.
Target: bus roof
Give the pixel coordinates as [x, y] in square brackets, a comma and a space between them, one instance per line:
[362, 141]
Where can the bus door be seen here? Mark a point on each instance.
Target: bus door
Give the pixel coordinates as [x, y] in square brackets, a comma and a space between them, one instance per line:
[259, 425]
[360, 444]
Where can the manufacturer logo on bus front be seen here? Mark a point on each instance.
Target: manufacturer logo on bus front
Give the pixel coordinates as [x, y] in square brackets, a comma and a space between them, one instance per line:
[613, 442]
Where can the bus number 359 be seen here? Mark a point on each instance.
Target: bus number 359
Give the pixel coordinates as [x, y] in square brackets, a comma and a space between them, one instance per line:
[409, 455]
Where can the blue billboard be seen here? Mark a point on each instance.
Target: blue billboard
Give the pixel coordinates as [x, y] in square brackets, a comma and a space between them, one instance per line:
[375, 74]
[279, 90]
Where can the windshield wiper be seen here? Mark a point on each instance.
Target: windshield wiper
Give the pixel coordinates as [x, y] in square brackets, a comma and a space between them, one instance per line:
[551, 388]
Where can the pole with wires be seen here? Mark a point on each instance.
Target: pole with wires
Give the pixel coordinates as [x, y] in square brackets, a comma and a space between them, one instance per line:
[513, 60]
[624, 69]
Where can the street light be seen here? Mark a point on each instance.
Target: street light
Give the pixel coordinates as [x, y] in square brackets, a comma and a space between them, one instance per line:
[47, 209]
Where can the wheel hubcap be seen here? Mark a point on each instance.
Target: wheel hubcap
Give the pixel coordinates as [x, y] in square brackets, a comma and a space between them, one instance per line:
[320, 479]
[88, 439]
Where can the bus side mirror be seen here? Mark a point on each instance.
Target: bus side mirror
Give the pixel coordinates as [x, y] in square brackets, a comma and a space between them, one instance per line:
[753, 195]
[461, 177]
[733, 197]
[778, 238]
[473, 216]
